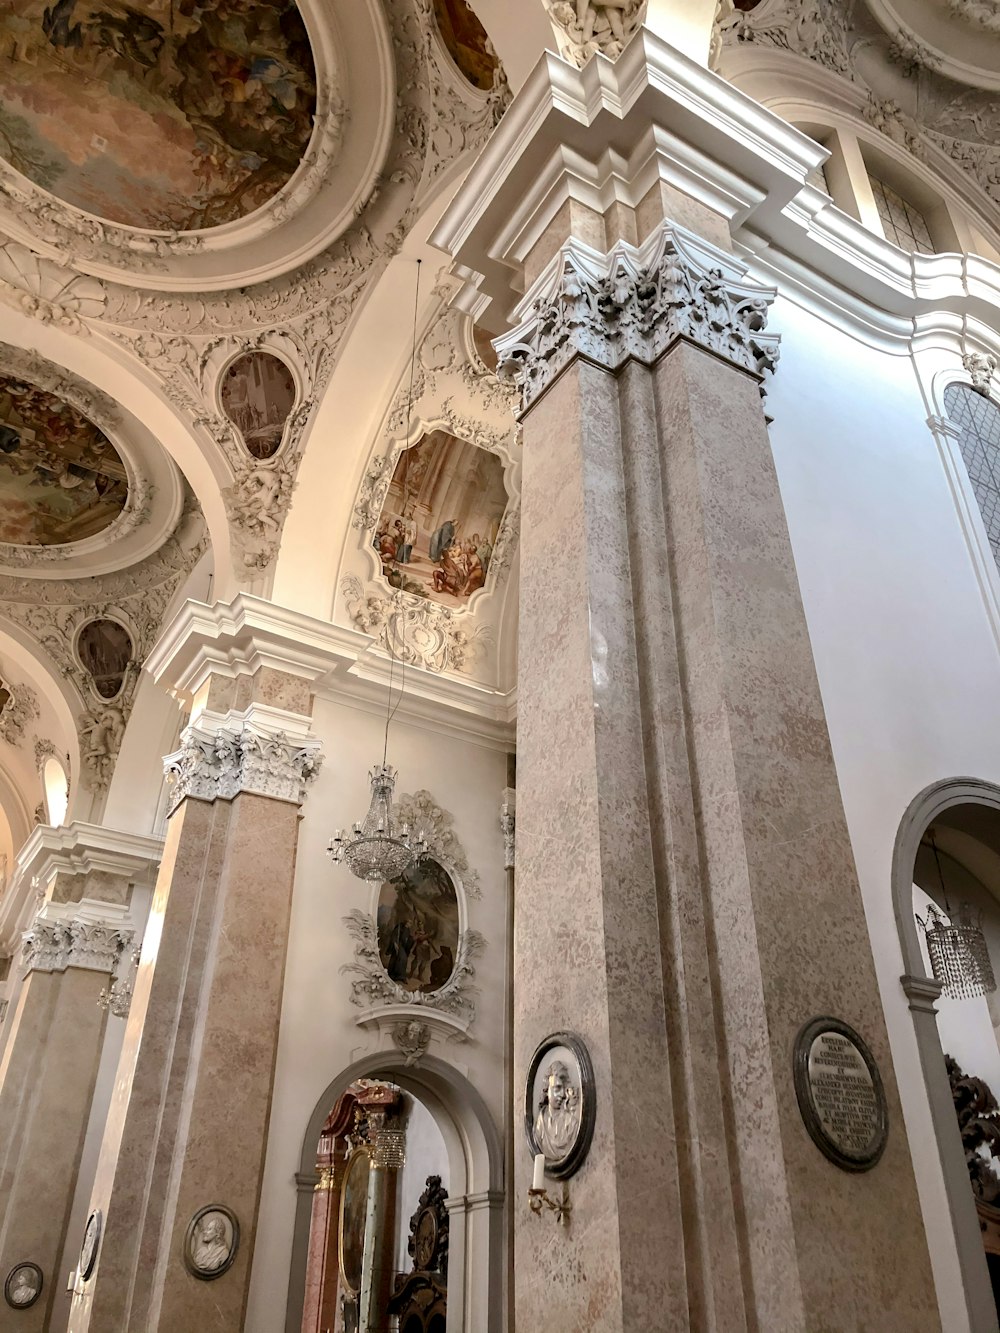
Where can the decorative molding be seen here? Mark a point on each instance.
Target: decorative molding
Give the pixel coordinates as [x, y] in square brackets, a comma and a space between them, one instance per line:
[374, 986]
[20, 709]
[508, 822]
[53, 611]
[980, 13]
[980, 367]
[634, 304]
[53, 945]
[848, 40]
[256, 505]
[585, 27]
[46, 749]
[412, 1039]
[105, 414]
[221, 757]
[421, 632]
[436, 826]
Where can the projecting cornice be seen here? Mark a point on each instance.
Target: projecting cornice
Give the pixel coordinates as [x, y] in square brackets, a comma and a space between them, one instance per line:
[609, 133]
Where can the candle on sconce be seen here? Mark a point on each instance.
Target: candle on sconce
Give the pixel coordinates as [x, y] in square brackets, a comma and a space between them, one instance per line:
[538, 1179]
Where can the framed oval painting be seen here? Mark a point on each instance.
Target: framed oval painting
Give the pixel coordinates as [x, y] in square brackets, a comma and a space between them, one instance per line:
[353, 1218]
[418, 926]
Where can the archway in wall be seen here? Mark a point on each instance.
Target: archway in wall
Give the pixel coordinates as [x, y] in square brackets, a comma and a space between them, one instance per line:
[947, 855]
[439, 1167]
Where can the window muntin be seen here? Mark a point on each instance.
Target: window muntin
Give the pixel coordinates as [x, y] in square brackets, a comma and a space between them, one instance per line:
[903, 224]
[978, 419]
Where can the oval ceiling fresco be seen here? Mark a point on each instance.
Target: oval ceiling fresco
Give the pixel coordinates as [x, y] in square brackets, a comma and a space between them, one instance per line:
[61, 479]
[164, 115]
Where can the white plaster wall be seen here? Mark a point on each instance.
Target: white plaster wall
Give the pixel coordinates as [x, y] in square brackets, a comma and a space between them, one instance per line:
[319, 1036]
[905, 653]
[426, 1155]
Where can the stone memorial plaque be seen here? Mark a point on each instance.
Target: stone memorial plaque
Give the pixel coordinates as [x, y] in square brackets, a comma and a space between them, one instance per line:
[840, 1094]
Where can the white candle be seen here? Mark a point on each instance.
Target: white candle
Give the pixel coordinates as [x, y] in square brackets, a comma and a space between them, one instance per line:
[538, 1180]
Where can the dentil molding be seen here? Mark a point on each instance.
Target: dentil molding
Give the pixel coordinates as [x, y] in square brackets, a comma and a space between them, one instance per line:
[632, 304]
[224, 755]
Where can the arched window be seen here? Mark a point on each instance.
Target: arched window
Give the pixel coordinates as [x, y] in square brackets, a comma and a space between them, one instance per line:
[56, 785]
[978, 419]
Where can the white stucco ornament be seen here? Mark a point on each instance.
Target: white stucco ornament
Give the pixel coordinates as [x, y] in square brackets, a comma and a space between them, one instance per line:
[583, 28]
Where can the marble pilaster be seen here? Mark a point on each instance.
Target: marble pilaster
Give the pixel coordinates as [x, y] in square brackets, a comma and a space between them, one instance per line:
[188, 1122]
[687, 897]
[79, 936]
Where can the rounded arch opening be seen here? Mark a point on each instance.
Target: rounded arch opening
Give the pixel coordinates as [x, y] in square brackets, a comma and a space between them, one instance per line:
[947, 852]
[55, 783]
[471, 1158]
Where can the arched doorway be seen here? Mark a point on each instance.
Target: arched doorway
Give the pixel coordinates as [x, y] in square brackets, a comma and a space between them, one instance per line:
[948, 847]
[452, 1137]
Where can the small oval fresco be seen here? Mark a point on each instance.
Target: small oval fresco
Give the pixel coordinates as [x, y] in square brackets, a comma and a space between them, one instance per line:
[159, 115]
[61, 479]
[467, 42]
[105, 650]
[258, 394]
[441, 518]
[418, 927]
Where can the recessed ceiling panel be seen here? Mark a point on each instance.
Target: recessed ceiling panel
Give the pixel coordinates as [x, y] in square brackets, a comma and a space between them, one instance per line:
[61, 479]
[161, 114]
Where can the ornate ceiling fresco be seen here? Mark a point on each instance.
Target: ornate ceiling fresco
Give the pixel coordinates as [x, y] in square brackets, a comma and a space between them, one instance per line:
[159, 115]
[61, 479]
[913, 96]
[467, 42]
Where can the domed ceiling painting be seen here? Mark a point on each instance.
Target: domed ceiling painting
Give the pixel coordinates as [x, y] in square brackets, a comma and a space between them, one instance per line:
[161, 114]
[61, 479]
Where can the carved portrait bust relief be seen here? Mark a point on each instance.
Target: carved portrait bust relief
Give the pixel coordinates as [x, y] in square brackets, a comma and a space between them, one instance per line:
[559, 1106]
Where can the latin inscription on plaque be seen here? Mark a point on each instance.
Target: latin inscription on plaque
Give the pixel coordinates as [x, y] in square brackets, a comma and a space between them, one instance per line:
[840, 1094]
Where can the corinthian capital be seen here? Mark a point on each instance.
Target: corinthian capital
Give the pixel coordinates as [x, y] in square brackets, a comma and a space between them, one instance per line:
[52, 944]
[222, 756]
[632, 304]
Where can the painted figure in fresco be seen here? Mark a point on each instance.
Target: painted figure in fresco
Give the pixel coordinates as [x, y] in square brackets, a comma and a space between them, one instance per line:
[452, 574]
[57, 27]
[558, 1120]
[442, 539]
[418, 927]
[210, 1249]
[408, 531]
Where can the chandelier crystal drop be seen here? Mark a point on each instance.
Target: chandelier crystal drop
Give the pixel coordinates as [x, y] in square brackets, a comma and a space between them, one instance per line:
[373, 850]
[957, 949]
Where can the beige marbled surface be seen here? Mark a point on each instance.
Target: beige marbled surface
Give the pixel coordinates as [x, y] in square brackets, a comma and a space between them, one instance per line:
[46, 1085]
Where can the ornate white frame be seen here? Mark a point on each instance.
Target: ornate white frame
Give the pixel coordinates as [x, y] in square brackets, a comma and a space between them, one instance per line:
[449, 1011]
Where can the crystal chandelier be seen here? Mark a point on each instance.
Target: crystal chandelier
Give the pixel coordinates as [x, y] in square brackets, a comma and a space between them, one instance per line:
[374, 850]
[956, 946]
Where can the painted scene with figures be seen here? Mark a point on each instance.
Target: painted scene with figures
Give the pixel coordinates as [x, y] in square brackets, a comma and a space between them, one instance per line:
[418, 927]
[61, 479]
[441, 518]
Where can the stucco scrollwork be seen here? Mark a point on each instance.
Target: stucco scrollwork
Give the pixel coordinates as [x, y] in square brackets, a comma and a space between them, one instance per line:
[256, 505]
[414, 630]
[632, 304]
[374, 986]
[20, 709]
[585, 27]
[53, 611]
[437, 826]
[219, 759]
[48, 291]
[980, 13]
[964, 131]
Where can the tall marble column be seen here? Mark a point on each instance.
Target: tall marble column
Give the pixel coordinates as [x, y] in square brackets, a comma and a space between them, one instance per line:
[188, 1123]
[687, 898]
[80, 935]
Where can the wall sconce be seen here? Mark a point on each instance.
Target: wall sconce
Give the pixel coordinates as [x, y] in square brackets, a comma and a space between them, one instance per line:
[538, 1195]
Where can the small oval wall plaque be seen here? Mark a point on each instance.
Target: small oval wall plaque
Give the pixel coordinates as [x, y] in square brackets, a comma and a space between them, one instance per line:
[840, 1094]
